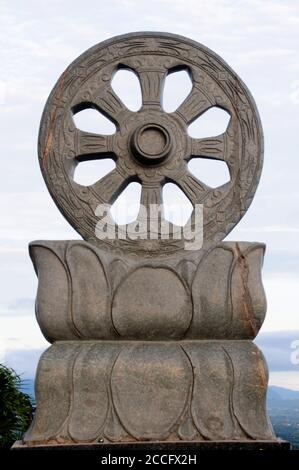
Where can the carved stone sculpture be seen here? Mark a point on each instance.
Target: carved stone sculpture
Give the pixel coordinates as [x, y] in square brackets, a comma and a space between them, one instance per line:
[150, 341]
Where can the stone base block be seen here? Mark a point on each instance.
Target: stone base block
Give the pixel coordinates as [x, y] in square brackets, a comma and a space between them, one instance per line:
[86, 293]
[133, 391]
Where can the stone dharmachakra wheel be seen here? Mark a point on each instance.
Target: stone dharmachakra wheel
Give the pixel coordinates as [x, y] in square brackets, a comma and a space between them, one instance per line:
[150, 146]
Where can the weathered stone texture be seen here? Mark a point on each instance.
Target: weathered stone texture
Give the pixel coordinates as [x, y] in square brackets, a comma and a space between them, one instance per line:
[220, 297]
[152, 342]
[134, 391]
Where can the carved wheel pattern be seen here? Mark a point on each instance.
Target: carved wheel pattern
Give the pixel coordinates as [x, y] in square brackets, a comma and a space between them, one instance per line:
[150, 146]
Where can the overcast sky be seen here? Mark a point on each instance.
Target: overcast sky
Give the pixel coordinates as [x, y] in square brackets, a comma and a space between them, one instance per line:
[258, 38]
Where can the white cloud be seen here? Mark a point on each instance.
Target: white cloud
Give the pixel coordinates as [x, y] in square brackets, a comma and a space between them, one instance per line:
[294, 95]
[27, 215]
[271, 229]
[287, 379]
[20, 333]
[282, 300]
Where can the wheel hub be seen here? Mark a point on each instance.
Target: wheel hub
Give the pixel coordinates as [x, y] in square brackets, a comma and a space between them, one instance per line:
[151, 144]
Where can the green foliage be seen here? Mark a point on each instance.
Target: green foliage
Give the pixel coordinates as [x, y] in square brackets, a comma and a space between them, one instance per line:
[16, 408]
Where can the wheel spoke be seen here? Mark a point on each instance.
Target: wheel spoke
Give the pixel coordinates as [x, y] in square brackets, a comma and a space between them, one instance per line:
[152, 83]
[108, 188]
[194, 189]
[151, 194]
[194, 105]
[111, 105]
[151, 201]
[89, 146]
[213, 147]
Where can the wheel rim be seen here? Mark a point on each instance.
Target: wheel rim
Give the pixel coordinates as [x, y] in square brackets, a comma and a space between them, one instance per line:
[150, 146]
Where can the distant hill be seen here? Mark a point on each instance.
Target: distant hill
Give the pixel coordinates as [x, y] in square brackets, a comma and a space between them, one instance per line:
[279, 395]
[283, 407]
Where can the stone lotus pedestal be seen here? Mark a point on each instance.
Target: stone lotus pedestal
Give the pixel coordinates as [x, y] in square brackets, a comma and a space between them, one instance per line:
[149, 352]
[151, 342]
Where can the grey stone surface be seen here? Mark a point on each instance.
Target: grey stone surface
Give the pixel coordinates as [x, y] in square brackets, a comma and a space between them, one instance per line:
[84, 292]
[86, 83]
[150, 390]
[151, 342]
